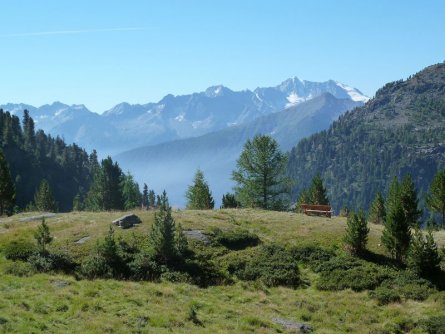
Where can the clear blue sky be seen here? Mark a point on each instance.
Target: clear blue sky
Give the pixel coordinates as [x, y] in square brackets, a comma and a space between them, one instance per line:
[100, 53]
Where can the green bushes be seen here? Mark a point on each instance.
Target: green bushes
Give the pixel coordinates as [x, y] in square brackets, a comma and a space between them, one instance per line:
[311, 255]
[235, 239]
[435, 325]
[272, 265]
[19, 250]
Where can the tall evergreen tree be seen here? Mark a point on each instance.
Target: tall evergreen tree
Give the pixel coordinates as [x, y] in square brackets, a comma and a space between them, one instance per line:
[229, 201]
[29, 131]
[410, 203]
[7, 188]
[436, 197]
[423, 256]
[44, 198]
[317, 191]
[151, 199]
[356, 236]
[198, 194]
[163, 236]
[377, 212]
[130, 192]
[260, 175]
[396, 234]
[145, 200]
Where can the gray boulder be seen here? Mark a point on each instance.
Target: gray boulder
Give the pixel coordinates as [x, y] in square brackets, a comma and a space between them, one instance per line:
[127, 221]
[291, 325]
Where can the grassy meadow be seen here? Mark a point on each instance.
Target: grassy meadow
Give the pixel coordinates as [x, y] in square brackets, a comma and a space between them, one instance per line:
[56, 303]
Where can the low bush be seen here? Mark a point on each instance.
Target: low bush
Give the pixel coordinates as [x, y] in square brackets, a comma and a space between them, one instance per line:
[19, 250]
[95, 266]
[311, 255]
[385, 295]
[435, 325]
[55, 261]
[236, 239]
[350, 273]
[272, 265]
[21, 269]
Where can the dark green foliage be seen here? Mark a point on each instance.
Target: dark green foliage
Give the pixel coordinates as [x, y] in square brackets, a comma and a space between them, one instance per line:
[198, 194]
[130, 191]
[410, 203]
[260, 175]
[235, 239]
[377, 211]
[435, 324]
[356, 236]
[385, 295]
[48, 262]
[44, 198]
[349, 273]
[311, 255]
[163, 237]
[423, 255]
[436, 197]
[145, 200]
[19, 250]
[43, 237]
[229, 202]
[7, 188]
[317, 191]
[396, 235]
[400, 131]
[78, 204]
[33, 156]
[106, 190]
[151, 199]
[272, 265]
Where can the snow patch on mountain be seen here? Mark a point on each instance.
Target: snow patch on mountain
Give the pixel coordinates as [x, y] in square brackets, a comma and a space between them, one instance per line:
[354, 93]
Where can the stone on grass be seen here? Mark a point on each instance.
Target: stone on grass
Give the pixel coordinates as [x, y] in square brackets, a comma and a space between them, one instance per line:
[297, 327]
[127, 221]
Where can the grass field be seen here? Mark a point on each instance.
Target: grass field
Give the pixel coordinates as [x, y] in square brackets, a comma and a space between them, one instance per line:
[44, 303]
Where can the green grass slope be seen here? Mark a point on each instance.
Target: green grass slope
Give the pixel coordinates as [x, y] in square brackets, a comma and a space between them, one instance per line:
[55, 303]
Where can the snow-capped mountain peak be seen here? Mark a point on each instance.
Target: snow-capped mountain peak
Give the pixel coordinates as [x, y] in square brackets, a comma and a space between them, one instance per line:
[354, 93]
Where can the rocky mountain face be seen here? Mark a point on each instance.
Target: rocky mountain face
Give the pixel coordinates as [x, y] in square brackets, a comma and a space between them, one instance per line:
[127, 126]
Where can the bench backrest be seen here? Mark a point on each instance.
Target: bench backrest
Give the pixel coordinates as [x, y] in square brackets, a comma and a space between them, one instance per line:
[316, 207]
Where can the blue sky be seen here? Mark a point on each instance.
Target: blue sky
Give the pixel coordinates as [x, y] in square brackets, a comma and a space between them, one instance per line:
[100, 53]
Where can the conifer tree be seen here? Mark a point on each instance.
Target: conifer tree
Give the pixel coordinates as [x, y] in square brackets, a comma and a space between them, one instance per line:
[423, 256]
[44, 198]
[396, 234]
[410, 203]
[7, 188]
[229, 201]
[151, 199]
[145, 200]
[29, 131]
[317, 191]
[43, 236]
[260, 175]
[357, 230]
[77, 203]
[131, 193]
[198, 194]
[377, 212]
[436, 197]
[163, 236]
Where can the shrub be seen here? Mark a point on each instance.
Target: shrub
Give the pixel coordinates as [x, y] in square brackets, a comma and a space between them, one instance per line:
[95, 266]
[175, 276]
[272, 265]
[311, 255]
[385, 295]
[349, 273]
[144, 267]
[435, 325]
[21, 269]
[19, 250]
[235, 239]
[41, 263]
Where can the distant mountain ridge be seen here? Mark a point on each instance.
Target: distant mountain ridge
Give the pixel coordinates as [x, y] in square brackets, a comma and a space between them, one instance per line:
[126, 126]
[171, 165]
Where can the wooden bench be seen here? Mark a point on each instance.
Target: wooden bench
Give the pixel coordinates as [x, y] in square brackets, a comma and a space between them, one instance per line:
[318, 209]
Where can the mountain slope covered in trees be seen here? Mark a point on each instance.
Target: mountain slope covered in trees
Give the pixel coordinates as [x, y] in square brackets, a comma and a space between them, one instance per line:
[401, 130]
[33, 156]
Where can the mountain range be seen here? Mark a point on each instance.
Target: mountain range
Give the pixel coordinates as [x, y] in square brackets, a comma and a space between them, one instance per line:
[128, 126]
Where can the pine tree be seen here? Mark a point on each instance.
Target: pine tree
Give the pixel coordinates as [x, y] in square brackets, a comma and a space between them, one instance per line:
[198, 194]
[77, 203]
[131, 193]
[423, 256]
[43, 236]
[260, 175]
[7, 188]
[317, 191]
[229, 201]
[396, 234]
[436, 198]
[29, 131]
[151, 199]
[163, 235]
[44, 198]
[357, 230]
[410, 203]
[145, 200]
[377, 212]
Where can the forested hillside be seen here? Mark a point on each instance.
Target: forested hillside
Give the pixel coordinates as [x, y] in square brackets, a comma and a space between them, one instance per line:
[34, 156]
[401, 130]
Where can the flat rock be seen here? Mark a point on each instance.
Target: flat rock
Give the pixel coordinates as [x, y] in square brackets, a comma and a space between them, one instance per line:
[82, 240]
[127, 221]
[292, 325]
[197, 235]
[58, 283]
